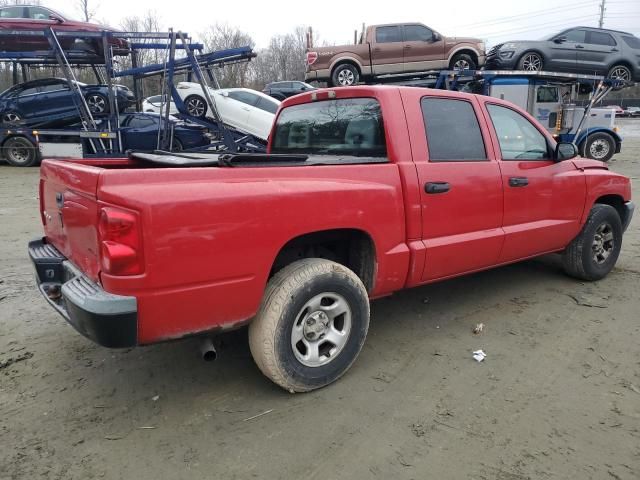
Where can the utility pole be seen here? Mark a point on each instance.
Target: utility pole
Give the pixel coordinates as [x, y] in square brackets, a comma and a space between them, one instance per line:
[602, 10]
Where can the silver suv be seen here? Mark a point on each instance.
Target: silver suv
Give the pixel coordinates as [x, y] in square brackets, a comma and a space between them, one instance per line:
[586, 50]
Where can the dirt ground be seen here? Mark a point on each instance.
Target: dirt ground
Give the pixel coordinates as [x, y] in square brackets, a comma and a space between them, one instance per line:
[558, 395]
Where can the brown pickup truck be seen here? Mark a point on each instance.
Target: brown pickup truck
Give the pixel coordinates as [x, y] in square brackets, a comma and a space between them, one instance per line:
[393, 49]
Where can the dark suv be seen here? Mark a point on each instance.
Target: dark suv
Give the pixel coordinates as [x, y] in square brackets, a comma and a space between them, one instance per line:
[584, 50]
[282, 90]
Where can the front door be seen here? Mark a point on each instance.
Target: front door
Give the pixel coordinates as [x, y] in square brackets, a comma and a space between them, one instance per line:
[543, 199]
[460, 186]
[564, 55]
[421, 51]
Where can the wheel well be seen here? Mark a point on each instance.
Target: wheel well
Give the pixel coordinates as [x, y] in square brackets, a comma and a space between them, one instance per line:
[352, 248]
[532, 51]
[16, 136]
[623, 63]
[343, 62]
[471, 53]
[616, 202]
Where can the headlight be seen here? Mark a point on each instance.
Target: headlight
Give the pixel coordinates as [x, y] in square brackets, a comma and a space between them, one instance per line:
[509, 46]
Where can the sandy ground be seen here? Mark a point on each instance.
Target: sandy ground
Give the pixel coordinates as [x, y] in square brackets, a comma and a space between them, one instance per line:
[557, 397]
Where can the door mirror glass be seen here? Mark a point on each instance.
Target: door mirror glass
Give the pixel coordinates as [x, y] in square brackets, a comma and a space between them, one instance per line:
[565, 151]
[560, 39]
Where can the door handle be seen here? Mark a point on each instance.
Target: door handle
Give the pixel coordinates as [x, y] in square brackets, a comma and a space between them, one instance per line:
[579, 46]
[615, 50]
[437, 187]
[518, 181]
[407, 47]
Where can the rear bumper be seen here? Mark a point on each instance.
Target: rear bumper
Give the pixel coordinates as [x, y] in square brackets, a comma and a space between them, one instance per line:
[629, 207]
[317, 75]
[107, 319]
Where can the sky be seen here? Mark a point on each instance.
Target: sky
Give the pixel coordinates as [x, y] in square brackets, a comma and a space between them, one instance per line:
[335, 21]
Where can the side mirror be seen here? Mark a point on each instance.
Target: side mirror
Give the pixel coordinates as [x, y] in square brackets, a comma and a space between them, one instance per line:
[224, 94]
[436, 37]
[559, 40]
[55, 18]
[565, 151]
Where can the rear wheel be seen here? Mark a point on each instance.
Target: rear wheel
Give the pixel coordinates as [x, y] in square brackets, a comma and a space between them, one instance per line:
[176, 145]
[196, 106]
[462, 61]
[599, 146]
[11, 118]
[531, 62]
[311, 325]
[594, 252]
[620, 72]
[345, 75]
[20, 152]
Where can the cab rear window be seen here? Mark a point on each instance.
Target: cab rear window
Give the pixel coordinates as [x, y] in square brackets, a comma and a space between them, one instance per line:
[350, 126]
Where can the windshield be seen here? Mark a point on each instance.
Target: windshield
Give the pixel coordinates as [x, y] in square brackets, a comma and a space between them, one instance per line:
[351, 126]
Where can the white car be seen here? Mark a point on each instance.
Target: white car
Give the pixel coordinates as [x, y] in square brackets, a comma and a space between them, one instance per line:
[244, 109]
[156, 105]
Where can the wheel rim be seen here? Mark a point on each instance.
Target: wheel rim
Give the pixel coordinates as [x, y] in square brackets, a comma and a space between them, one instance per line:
[603, 243]
[599, 149]
[532, 62]
[18, 153]
[321, 329]
[461, 65]
[346, 77]
[620, 73]
[11, 117]
[195, 107]
[96, 104]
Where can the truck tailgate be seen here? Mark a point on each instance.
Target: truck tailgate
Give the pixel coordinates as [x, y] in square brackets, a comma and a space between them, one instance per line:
[69, 210]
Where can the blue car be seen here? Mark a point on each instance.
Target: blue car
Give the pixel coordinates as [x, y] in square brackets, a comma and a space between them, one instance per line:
[50, 102]
[139, 131]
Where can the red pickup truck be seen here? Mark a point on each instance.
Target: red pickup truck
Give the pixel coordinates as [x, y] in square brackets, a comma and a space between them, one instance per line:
[365, 191]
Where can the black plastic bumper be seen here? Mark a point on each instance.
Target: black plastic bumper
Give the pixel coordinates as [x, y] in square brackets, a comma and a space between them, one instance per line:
[629, 209]
[107, 319]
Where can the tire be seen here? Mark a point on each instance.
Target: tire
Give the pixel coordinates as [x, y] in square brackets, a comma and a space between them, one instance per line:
[531, 62]
[11, 118]
[297, 304]
[345, 75]
[599, 146]
[176, 145]
[462, 61]
[594, 252]
[20, 152]
[98, 104]
[196, 106]
[621, 72]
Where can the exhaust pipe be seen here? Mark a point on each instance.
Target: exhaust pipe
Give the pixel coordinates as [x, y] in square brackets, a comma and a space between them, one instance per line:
[208, 350]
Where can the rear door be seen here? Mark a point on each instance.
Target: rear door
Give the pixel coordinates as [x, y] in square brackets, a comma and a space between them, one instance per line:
[460, 185]
[30, 103]
[261, 117]
[236, 107]
[421, 52]
[597, 52]
[387, 52]
[543, 199]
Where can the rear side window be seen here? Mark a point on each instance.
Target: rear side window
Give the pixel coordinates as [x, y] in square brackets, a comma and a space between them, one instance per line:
[453, 132]
[244, 97]
[601, 38]
[633, 42]
[350, 126]
[519, 139]
[12, 12]
[388, 34]
[267, 106]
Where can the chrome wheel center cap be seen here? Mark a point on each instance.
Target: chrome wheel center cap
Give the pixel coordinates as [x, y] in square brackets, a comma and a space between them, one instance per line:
[315, 325]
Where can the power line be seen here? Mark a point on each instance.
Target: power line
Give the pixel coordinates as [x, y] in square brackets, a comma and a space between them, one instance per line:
[537, 27]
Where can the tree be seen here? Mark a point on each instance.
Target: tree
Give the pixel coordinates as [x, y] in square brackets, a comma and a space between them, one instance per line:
[88, 11]
[222, 36]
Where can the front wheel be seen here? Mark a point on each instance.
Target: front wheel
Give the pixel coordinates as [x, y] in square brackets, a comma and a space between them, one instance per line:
[311, 325]
[345, 75]
[531, 62]
[594, 252]
[98, 104]
[599, 146]
[462, 61]
[20, 152]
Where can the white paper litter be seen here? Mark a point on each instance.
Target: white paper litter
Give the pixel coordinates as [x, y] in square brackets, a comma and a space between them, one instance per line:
[479, 355]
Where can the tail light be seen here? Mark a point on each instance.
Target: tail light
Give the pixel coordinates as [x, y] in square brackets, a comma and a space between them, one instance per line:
[312, 57]
[120, 242]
